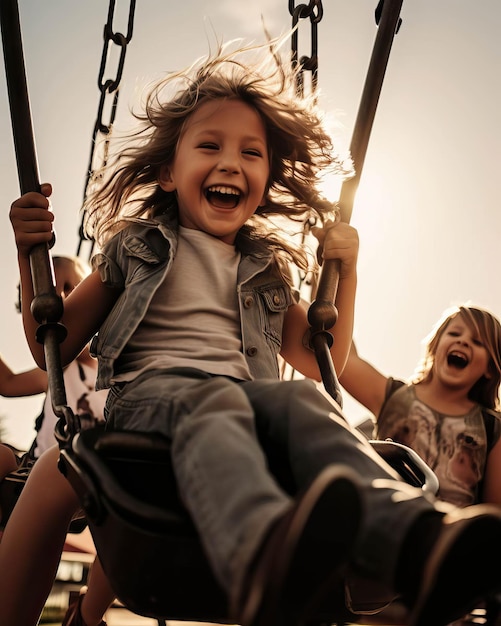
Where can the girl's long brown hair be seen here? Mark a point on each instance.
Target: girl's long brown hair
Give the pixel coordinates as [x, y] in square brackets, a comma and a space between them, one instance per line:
[300, 149]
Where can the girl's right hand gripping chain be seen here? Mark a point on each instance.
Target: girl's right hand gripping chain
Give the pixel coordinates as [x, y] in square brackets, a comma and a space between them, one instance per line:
[32, 219]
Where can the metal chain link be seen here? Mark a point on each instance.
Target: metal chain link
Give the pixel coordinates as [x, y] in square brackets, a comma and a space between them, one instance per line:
[314, 12]
[305, 282]
[108, 84]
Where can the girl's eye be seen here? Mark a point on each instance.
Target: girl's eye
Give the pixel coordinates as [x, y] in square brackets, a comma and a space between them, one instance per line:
[253, 152]
[209, 146]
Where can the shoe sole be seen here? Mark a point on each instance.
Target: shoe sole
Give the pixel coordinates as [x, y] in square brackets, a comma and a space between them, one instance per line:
[458, 578]
[317, 549]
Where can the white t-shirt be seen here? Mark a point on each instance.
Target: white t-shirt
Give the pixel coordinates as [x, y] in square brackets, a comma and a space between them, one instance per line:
[193, 319]
[81, 397]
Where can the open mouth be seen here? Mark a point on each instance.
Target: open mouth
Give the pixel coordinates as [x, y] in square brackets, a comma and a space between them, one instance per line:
[223, 197]
[457, 359]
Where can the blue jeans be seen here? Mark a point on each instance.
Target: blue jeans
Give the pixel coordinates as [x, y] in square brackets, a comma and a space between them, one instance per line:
[241, 450]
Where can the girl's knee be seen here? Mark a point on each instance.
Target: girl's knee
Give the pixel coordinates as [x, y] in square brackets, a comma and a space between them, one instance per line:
[47, 486]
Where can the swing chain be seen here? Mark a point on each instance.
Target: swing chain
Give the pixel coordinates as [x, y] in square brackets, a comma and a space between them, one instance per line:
[121, 41]
[314, 12]
[304, 281]
[109, 92]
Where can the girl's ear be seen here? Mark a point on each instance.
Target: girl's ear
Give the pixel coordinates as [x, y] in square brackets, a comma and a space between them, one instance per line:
[165, 179]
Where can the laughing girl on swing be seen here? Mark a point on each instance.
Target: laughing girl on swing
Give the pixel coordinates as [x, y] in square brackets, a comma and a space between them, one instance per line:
[192, 300]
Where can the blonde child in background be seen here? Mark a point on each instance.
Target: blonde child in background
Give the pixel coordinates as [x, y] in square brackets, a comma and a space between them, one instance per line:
[449, 411]
[79, 379]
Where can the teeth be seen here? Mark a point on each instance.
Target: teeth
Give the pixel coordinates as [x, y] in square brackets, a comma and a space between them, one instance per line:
[221, 189]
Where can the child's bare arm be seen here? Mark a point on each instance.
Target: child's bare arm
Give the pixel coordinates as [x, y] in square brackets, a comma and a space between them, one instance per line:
[339, 241]
[84, 309]
[364, 382]
[28, 383]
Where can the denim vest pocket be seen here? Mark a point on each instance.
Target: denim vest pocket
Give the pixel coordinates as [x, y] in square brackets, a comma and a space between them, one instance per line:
[276, 300]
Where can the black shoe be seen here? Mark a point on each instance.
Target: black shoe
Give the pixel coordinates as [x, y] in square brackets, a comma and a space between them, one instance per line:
[463, 567]
[304, 555]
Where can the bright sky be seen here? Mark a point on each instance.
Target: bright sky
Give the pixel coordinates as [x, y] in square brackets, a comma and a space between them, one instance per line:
[428, 208]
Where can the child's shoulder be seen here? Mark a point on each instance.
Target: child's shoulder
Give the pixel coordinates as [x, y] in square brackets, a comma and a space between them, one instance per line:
[492, 423]
[392, 385]
[137, 233]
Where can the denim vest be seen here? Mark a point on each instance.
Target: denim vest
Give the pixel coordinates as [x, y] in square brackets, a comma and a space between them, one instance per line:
[137, 259]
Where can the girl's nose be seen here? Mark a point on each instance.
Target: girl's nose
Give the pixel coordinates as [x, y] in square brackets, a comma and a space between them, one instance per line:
[229, 162]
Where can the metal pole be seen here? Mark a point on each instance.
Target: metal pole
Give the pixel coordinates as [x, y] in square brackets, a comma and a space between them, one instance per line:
[368, 104]
[322, 314]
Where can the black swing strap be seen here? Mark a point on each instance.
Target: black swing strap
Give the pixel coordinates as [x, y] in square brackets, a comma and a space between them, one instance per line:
[47, 307]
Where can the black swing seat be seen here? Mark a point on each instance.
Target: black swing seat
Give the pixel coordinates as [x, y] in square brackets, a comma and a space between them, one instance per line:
[11, 487]
[145, 539]
[10, 490]
[407, 463]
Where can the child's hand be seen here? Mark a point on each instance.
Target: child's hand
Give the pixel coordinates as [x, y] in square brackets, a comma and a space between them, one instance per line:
[339, 240]
[32, 219]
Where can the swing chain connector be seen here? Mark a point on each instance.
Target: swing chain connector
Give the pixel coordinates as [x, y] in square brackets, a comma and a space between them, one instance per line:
[67, 426]
[314, 12]
[379, 12]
